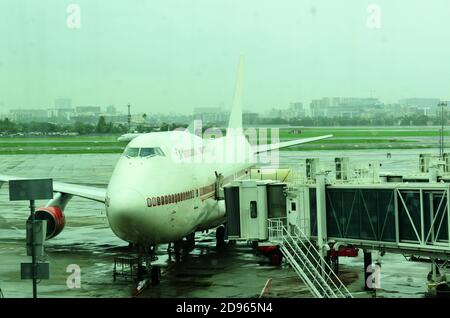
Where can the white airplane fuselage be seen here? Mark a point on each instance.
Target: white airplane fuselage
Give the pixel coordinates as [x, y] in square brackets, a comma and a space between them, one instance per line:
[163, 198]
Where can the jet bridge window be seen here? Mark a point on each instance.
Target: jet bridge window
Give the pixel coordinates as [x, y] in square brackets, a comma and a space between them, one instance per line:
[253, 210]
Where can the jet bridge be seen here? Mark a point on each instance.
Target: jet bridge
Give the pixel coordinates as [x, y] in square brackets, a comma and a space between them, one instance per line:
[408, 218]
[405, 214]
[400, 217]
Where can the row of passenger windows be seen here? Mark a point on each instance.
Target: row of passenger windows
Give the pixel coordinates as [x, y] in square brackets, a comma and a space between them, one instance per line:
[133, 152]
[172, 198]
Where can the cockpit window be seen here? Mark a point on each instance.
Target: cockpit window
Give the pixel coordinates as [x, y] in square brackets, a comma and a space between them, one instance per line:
[131, 152]
[143, 152]
[150, 152]
[147, 152]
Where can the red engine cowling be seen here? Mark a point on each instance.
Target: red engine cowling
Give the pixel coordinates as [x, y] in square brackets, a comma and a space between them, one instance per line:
[55, 220]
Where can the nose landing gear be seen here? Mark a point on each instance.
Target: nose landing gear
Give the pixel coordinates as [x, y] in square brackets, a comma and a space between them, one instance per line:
[146, 274]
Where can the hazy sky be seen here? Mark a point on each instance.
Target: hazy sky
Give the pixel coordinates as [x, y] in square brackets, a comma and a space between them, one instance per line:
[174, 55]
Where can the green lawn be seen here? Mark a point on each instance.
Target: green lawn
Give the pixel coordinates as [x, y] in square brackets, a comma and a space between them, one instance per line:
[109, 138]
[58, 151]
[362, 132]
[57, 144]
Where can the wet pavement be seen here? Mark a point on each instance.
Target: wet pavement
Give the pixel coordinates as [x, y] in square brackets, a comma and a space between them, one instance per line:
[238, 272]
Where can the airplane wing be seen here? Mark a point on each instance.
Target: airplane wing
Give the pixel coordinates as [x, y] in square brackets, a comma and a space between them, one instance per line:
[284, 144]
[87, 192]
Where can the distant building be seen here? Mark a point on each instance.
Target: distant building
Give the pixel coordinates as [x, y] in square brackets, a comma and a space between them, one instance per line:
[211, 115]
[319, 107]
[137, 118]
[111, 110]
[60, 113]
[250, 118]
[295, 110]
[63, 103]
[274, 113]
[297, 106]
[423, 106]
[87, 110]
[27, 115]
[345, 107]
[62, 110]
[420, 102]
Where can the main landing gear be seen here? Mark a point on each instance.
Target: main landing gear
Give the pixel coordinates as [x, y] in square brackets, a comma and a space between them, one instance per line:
[190, 241]
[220, 237]
[182, 247]
[155, 275]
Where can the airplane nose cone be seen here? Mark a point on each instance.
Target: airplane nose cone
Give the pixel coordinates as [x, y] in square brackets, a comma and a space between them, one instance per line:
[124, 211]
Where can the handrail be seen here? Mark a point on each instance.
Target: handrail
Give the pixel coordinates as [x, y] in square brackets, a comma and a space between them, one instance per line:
[313, 275]
[310, 266]
[319, 264]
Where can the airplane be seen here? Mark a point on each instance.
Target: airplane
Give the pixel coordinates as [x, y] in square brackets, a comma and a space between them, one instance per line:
[161, 189]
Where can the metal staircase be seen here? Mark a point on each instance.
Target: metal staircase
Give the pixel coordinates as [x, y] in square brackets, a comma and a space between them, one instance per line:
[306, 260]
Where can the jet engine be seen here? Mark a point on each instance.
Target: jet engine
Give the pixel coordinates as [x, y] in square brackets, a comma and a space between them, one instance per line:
[53, 213]
[55, 220]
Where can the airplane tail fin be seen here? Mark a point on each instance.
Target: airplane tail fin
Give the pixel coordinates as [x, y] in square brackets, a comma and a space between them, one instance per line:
[235, 121]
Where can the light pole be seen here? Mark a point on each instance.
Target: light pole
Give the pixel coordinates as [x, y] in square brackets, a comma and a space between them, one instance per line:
[441, 134]
[129, 117]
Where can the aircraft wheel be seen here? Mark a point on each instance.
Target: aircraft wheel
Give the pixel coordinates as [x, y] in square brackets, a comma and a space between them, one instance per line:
[220, 236]
[178, 247]
[155, 275]
[191, 241]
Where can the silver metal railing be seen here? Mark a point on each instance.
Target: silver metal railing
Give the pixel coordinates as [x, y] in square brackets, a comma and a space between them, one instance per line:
[306, 260]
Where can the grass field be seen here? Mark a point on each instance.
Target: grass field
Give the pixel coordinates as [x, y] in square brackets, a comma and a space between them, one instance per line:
[364, 132]
[344, 138]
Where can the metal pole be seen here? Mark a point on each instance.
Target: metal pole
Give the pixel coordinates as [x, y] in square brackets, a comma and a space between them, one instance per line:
[368, 270]
[33, 249]
[321, 217]
[442, 131]
[129, 118]
[441, 134]
[433, 270]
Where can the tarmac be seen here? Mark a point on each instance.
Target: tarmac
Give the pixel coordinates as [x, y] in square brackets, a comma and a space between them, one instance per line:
[88, 242]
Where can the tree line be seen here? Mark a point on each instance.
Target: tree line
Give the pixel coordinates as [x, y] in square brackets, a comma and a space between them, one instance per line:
[102, 127]
[385, 120]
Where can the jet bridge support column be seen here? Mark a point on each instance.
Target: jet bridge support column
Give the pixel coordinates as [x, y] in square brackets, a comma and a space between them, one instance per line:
[321, 216]
[368, 270]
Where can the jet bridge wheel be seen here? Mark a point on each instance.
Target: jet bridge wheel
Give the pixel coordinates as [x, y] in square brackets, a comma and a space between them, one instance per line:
[276, 257]
[273, 254]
